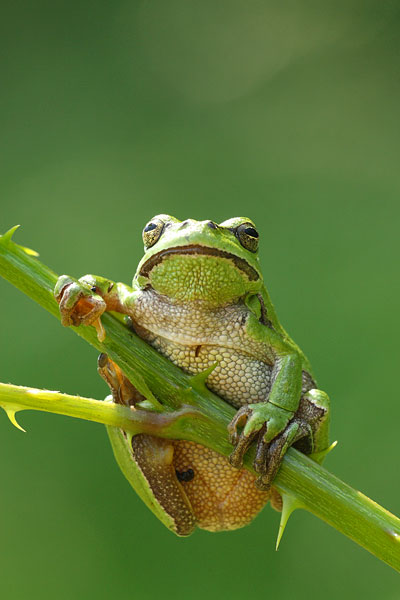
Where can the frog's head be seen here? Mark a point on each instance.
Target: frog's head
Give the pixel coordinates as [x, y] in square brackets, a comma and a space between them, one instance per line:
[200, 260]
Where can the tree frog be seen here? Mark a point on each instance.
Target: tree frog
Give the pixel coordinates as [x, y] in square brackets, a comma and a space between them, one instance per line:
[199, 298]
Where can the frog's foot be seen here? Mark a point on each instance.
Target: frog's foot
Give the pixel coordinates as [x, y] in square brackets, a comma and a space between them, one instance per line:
[122, 390]
[262, 420]
[269, 456]
[79, 303]
[276, 430]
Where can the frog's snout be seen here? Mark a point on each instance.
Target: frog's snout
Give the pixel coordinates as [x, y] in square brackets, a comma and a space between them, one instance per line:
[189, 222]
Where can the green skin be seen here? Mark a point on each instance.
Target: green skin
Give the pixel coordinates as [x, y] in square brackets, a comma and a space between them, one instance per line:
[227, 254]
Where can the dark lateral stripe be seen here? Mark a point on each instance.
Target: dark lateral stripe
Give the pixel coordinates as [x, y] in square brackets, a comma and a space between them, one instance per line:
[151, 456]
[202, 250]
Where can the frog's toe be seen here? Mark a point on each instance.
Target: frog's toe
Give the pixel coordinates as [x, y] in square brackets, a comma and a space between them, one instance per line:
[241, 441]
[261, 459]
[62, 282]
[68, 298]
[268, 471]
[269, 456]
[122, 390]
[239, 420]
[78, 306]
[243, 444]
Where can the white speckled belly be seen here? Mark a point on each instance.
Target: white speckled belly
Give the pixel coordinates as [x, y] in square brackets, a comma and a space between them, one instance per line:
[237, 378]
[194, 338]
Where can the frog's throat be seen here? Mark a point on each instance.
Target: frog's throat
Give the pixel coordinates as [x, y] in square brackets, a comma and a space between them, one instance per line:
[240, 263]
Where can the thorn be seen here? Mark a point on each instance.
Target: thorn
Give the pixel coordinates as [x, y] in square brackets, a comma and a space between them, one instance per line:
[7, 237]
[319, 456]
[101, 332]
[290, 504]
[140, 384]
[8, 234]
[11, 415]
[200, 378]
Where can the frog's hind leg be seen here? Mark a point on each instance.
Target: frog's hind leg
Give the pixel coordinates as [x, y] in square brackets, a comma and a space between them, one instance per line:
[122, 390]
[147, 461]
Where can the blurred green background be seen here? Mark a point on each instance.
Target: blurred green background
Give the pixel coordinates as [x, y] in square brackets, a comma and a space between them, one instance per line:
[286, 112]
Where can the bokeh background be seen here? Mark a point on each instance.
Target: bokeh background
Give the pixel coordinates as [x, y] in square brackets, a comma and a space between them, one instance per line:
[287, 112]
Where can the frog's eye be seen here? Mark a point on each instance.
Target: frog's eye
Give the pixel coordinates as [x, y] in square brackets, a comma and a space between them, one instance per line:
[247, 236]
[152, 232]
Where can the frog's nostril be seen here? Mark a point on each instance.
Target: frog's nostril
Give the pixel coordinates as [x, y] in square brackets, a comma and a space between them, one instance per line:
[212, 225]
[184, 224]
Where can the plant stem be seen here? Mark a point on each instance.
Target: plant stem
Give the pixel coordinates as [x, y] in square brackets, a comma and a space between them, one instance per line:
[199, 415]
[15, 398]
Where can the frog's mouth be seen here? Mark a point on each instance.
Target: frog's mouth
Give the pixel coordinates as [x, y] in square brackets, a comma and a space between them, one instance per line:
[194, 250]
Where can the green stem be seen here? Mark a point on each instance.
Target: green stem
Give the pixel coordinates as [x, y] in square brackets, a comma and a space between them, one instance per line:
[314, 488]
[174, 425]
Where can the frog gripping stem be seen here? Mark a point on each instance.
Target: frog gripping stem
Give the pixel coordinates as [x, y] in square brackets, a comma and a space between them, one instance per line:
[314, 488]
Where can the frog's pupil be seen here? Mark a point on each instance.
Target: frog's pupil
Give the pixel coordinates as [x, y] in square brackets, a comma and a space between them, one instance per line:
[150, 227]
[185, 475]
[251, 231]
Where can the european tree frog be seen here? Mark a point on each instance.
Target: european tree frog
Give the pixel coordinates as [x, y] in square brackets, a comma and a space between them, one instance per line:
[198, 297]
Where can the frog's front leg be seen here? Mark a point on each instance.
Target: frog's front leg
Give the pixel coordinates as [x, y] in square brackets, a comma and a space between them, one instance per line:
[83, 301]
[308, 431]
[267, 420]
